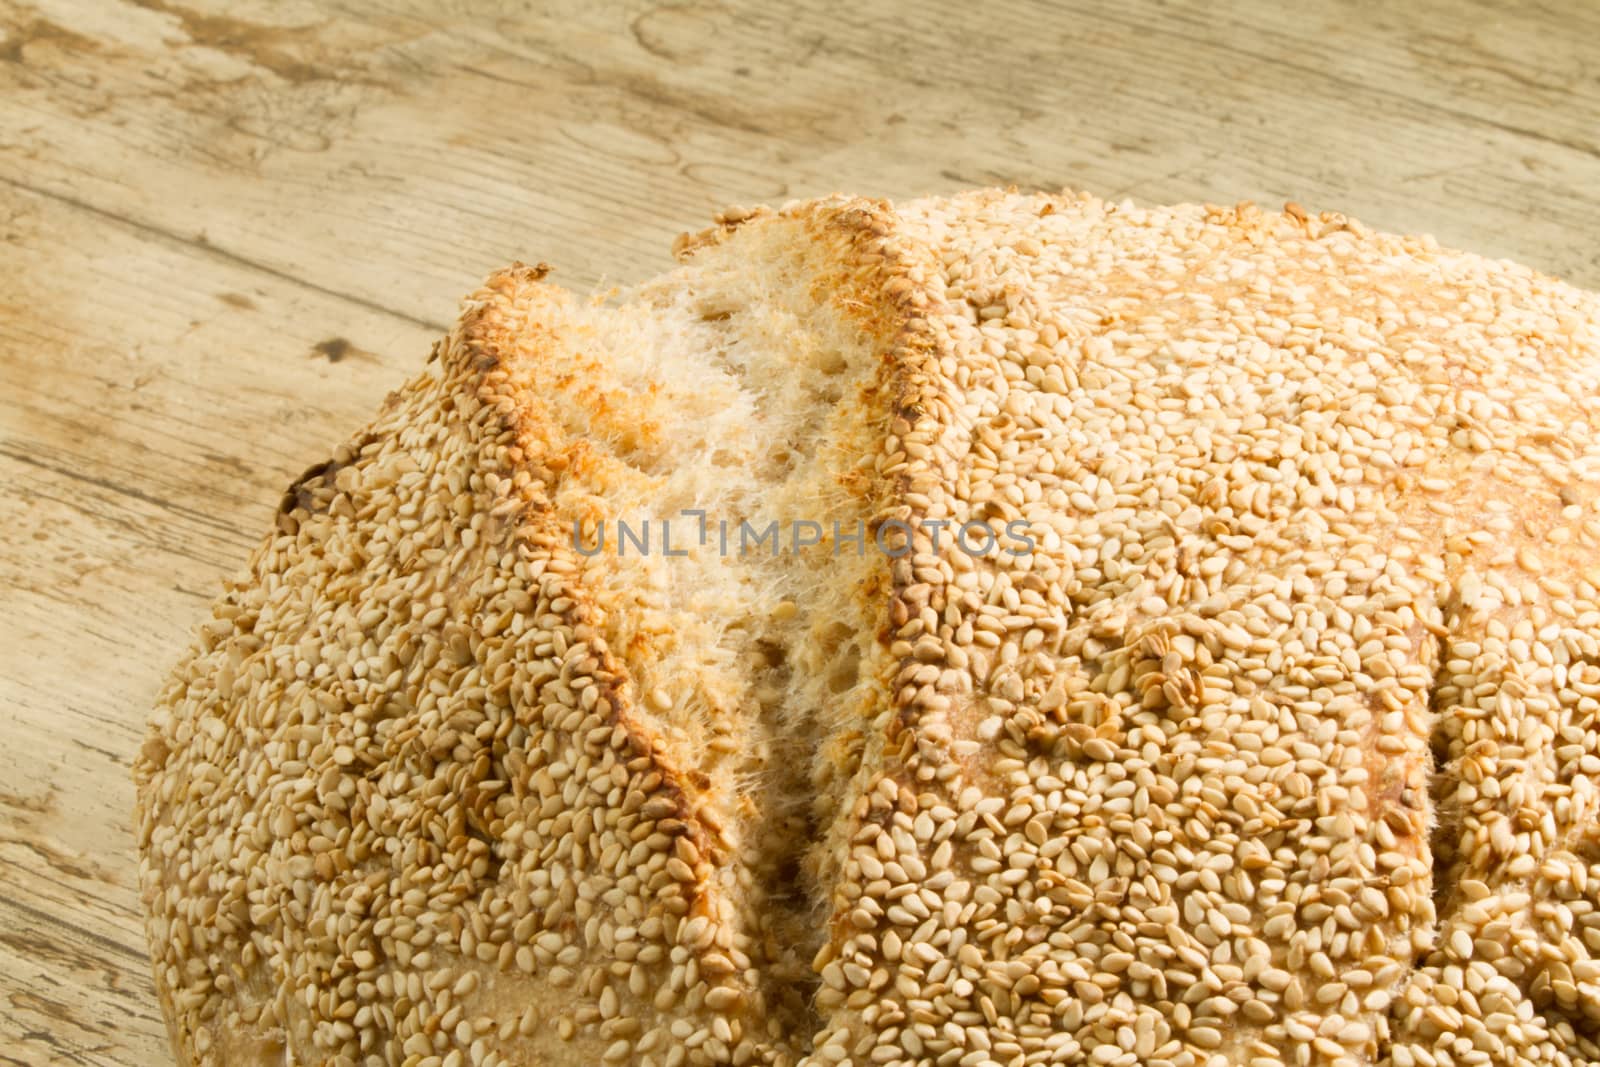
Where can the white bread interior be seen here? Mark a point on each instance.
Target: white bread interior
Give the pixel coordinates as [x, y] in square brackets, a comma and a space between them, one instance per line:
[725, 393]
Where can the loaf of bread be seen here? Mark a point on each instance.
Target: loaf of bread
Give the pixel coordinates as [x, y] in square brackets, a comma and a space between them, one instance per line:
[977, 632]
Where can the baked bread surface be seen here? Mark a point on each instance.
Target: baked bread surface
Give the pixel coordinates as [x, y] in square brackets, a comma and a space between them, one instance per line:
[1275, 746]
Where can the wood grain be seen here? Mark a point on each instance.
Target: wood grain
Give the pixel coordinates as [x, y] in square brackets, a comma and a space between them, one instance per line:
[226, 230]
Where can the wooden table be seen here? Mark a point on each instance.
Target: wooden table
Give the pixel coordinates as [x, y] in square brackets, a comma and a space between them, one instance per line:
[226, 230]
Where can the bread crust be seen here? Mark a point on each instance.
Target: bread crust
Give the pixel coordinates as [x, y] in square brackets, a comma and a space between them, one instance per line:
[1271, 750]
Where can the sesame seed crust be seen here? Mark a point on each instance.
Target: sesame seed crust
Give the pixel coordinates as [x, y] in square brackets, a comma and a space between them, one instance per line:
[1276, 748]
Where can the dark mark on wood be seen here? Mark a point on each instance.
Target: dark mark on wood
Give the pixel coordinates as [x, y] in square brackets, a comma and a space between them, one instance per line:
[261, 46]
[335, 348]
[42, 31]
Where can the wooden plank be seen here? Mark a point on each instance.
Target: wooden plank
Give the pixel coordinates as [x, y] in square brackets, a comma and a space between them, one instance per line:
[398, 155]
[227, 229]
[157, 397]
[75, 977]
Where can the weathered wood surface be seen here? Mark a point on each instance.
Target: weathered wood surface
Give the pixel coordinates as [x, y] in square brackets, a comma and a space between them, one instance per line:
[226, 230]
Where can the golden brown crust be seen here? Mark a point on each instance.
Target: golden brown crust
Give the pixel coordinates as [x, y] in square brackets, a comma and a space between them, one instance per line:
[1305, 501]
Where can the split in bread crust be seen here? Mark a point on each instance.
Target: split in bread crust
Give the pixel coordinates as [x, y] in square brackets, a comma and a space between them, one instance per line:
[1277, 748]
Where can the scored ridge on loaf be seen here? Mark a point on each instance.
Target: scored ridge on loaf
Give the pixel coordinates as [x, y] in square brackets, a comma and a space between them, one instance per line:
[1262, 733]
